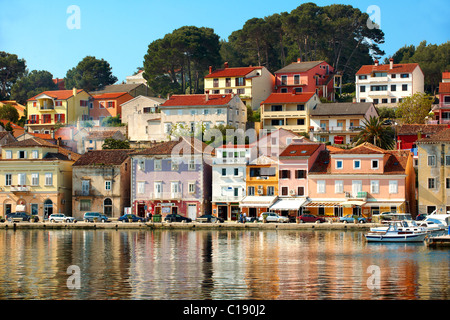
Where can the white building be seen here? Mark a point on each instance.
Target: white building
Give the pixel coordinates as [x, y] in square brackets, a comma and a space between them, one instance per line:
[137, 78]
[388, 84]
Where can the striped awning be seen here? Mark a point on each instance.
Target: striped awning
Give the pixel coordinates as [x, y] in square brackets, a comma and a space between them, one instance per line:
[325, 204]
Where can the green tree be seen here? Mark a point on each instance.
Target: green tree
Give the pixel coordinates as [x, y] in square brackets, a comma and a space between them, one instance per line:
[377, 134]
[8, 112]
[32, 84]
[90, 74]
[11, 69]
[111, 143]
[414, 109]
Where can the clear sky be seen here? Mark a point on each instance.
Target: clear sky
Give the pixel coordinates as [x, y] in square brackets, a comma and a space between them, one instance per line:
[120, 31]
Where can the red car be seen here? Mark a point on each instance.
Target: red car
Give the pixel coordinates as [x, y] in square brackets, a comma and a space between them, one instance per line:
[311, 218]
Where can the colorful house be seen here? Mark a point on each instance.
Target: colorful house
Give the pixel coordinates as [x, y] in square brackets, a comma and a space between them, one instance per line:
[173, 177]
[310, 76]
[107, 105]
[388, 84]
[38, 175]
[262, 186]
[290, 111]
[101, 183]
[339, 123]
[442, 110]
[294, 165]
[49, 108]
[434, 173]
[362, 181]
[251, 84]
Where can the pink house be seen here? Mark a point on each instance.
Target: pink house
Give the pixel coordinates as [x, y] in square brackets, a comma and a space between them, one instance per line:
[310, 76]
[362, 181]
[442, 110]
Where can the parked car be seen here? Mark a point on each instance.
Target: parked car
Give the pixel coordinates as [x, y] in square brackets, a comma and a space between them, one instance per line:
[173, 217]
[310, 218]
[273, 217]
[209, 218]
[90, 216]
[350, 219]
[60, 217]
[133, 217]
[18, 215]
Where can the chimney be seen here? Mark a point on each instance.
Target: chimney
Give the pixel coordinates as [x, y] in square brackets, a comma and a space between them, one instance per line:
[299, 60]
[225, 65]
[210, 69]
[376, 63]
[391, 63]
[74, 91]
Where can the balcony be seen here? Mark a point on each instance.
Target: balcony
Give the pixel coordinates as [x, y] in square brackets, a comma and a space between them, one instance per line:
[46, 108]
[165, 196]
[227, 198]
[242, 161]
[361, 195]
[20, 189]
[328, 130]
[283, 114]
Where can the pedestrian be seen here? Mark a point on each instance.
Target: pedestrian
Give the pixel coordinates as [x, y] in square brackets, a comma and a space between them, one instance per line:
[240, 217]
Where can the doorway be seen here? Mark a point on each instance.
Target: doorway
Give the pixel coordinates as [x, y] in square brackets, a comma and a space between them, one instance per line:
[192, 211]
[48, 208]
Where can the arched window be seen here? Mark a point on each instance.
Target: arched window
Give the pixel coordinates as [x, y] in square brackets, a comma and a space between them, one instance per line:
[107, 207]
[48, 208]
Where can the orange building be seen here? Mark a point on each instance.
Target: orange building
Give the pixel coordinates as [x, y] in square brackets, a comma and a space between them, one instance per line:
[107, 105]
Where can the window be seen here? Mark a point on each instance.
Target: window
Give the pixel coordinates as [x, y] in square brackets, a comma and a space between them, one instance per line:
[35, 179]
[301, 191]
[339, 164]
[431, 183]
[101, 104]
[157, 165]
[141, 165]
[300, 107]
[34, 209]
[431, 161]
[85, 185]
[283, 80]
[191, 165]
[296, 79]
[191, 187]
[379, 74]
[375, 186]
[175, 165]
[364, 77]
[393, 186]
[394, 100]
[85, 205]
[384, 100]
[228, 82]
[393, 76]
[236, 171]
[300, 174]
[8, 154]
[447, 160]
[284, 191]
[404, 87]
[141, 187]
[356, 164]
[300, 122]
[8, 179]
[35, 154]
[240, 82]
[22, 179]
[21, 154]
[378, 88]
[338, 186]
[404, 75]
[158, 189]
[174, 187]
[321, 186]
[285, 174]
[447, 183]
[107, 184]
[356, 187]
[60, 117]
[375, 164]
[362, 89]
[393, 87]
[251, 191]
[107, 207]
[224, 172]
[270, 191]
[215, 83]
[276, 108]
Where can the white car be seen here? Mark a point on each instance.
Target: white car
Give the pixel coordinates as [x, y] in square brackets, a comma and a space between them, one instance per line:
[273, 217]
[60, 217]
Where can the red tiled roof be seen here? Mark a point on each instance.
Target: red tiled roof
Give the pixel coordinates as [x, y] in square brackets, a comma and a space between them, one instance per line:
[300, 150]
[57, 94]
[179, 147]
[103, 157]
[442, 136]
[426, 129]
[231, 72]
[446, 75]
[198, 100]
[13, 125]
[110, 95]
[365, 148]
[289, 97]
[398, 68]
[444, 87]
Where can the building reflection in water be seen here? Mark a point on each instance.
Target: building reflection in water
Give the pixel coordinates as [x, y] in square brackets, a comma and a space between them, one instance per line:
[233, 264]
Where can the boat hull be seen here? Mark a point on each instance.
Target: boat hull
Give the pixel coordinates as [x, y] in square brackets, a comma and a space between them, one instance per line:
[415, 237]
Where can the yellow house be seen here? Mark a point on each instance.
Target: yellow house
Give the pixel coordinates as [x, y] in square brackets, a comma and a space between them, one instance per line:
[49, 108]
[36, 175]
[434, 173]
[252, 84]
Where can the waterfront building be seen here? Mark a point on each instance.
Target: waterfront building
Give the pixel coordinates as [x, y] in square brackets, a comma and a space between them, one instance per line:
[190, 113]
[294, 165]
[106, 105]
[37, 175]
[339, 123]
[252, 84]
[101, 183]
[262, 186]
[50, 108]
[434, 173]
[362, 181]
[229, 179]
[308, 76]
[388, 84]
[442, 110]
[143, 118]
[290, 111]
[173, 177]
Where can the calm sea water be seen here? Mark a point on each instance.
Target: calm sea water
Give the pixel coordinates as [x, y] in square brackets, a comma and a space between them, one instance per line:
[176, 264]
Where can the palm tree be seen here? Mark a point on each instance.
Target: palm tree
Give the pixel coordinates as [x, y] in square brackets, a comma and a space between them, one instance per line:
[377, 134]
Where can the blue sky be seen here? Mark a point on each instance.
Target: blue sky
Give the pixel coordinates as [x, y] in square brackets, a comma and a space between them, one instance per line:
[120, 31]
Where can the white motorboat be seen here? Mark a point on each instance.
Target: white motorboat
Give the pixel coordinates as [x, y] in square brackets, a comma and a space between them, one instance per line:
[393, 234]
[432, 225]
[405, 225]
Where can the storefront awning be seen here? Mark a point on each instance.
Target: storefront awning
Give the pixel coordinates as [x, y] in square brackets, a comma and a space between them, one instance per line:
[325, 204]
[384, 204]
[288, 204]
[349, 204]
[257, 201]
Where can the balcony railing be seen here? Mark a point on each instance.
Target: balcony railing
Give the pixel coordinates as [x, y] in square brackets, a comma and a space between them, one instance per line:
[230, 161]
[337, 129]
[165, 195]
[47, 108]
[227, 198]
[20, 189]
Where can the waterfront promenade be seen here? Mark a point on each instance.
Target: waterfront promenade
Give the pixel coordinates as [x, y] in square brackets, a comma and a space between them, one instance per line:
[189, 226]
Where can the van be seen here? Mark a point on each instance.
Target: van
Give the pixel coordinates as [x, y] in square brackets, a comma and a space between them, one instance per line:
[90, 216]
